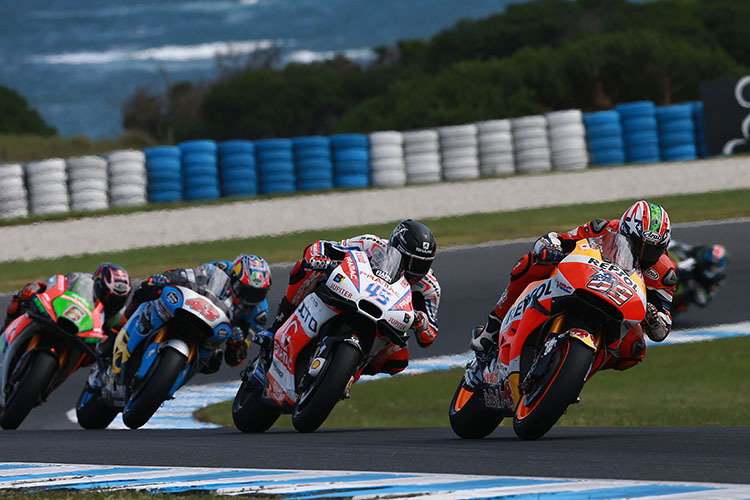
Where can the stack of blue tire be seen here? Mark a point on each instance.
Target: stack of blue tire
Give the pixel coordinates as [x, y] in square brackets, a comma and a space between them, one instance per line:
[237, 168]
[200, 171]
[313, 165]
[163, 172]
[699, 126]
[676, 132]
[604, 133]
[640, 131]
[275, 166]
[351, 160]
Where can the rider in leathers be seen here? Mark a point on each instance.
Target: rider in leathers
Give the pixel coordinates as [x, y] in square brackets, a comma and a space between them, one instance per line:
[648, 230]
[417, 246]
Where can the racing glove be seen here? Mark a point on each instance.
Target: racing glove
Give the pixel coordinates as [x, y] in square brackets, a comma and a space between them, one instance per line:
[235, 351]
[656, 324]
[157, 280]
[318, 263]
[483, 340]
[422, 331]
[548, 249]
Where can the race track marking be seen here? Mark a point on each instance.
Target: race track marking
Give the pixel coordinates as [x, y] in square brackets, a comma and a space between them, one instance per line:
[309, 484]
[178, 413]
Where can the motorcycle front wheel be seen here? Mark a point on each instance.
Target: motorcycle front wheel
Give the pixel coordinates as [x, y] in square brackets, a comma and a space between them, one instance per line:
[29, 390]
[92, 412]
[154, 389]
[249, 412]
[316, 403]
[542, 406]
[468, 416]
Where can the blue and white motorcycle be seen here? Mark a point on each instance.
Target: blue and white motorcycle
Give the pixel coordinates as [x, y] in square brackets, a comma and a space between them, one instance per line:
[159, 349]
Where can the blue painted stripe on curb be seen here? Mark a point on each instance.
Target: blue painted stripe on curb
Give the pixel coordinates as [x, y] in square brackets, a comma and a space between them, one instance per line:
[78, 472]
[258, 484]
[174, 479]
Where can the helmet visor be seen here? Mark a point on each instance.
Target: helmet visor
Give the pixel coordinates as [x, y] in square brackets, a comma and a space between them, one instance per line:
[417, 267]
[247, 294]
[649, 255]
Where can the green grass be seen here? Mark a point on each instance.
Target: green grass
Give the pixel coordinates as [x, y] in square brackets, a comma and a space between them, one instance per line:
[694, 384]
[449, 231]
[23, 148]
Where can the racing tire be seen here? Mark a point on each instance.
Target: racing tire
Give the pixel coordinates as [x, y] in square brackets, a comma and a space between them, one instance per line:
[316, 403]
[557, 388]
[154, 389]
[249, 412]
[92, 412]
[29, 391]
[468, 416]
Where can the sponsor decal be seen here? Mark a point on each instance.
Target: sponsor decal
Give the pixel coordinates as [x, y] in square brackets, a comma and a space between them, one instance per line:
[612, 268]
[540, 291]
[669, 279]
[383, 275]
[338, 278]
[315, 364]
[607, 284]
[651, 236]
[583, 336]
[407, 318]
[393, 321]
[651, 273]
[565, 288]
[341, 291]
[306, 317]
[74, 314]
[173, 298]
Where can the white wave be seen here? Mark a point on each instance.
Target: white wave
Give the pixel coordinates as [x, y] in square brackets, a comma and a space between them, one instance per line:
[176, 53]
[309, 56]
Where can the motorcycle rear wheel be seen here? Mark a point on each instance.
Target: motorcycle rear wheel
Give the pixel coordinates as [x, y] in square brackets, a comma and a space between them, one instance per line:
[154, 388]
[559, 387]
[316, 403]
[469, 418]
[29, 390]
[92, 412]
[249, 412]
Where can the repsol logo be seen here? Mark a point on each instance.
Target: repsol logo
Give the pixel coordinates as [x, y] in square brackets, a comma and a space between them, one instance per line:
[537, 293]
[614, 269]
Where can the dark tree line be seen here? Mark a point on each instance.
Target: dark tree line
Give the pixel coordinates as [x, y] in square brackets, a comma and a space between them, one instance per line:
[535, 57]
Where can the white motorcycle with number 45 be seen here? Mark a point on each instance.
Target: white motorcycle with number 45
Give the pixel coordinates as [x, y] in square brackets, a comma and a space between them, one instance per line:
[364, 306]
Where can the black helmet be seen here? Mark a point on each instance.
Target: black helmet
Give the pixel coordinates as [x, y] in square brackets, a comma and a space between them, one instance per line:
[417, 246]
[111, 286]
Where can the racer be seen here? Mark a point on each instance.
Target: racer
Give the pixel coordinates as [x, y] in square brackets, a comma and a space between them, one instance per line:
[250, 279]
[648, 231]
[111, 288]
[701, 269]
[417, 246]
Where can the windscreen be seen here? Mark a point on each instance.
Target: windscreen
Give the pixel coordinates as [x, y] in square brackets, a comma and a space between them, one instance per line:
[386, 264]
[83, 285]
[213, 283]
[616, 249]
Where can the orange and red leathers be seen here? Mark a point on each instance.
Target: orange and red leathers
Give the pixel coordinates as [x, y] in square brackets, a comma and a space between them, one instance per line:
[660, 279]
[306, 273]
[20, 301]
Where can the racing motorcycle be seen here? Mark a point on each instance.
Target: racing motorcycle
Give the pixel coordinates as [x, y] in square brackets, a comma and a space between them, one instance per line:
[195, 325]
[363, 307]
[700, 272]
[45, 345]
[553, 339]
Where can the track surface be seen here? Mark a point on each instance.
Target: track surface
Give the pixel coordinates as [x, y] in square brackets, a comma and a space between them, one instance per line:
[472, 279]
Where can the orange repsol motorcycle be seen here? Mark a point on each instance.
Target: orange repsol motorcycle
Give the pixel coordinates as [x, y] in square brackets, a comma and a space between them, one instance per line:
[559, 332]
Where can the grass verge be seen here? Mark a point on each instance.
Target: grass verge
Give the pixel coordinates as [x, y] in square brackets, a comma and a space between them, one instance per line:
[449, 231]
[678, 385]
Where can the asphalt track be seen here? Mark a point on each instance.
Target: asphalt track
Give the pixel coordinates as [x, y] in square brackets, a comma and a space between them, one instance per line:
[471, 278]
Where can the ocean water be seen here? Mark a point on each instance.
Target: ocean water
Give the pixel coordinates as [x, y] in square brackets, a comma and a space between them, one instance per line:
[77, 61]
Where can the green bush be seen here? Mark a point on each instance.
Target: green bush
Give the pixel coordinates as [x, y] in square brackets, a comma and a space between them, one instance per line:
[16, 117]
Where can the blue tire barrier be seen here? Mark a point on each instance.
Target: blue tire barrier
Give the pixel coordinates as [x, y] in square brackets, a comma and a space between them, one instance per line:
[605, 141]
[352, 181]
[640, 131]
[700, 128]
[238, 172]
[676, 132]
[163, 173]
[313, 163]
[347, 141]
[351, 160]
[275, 164]
[200, 170]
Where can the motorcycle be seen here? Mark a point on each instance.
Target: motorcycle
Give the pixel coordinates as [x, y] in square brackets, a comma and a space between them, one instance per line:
[363, 307]
[45, 345]
[557, 334]
[161, 360]
[700, 272]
